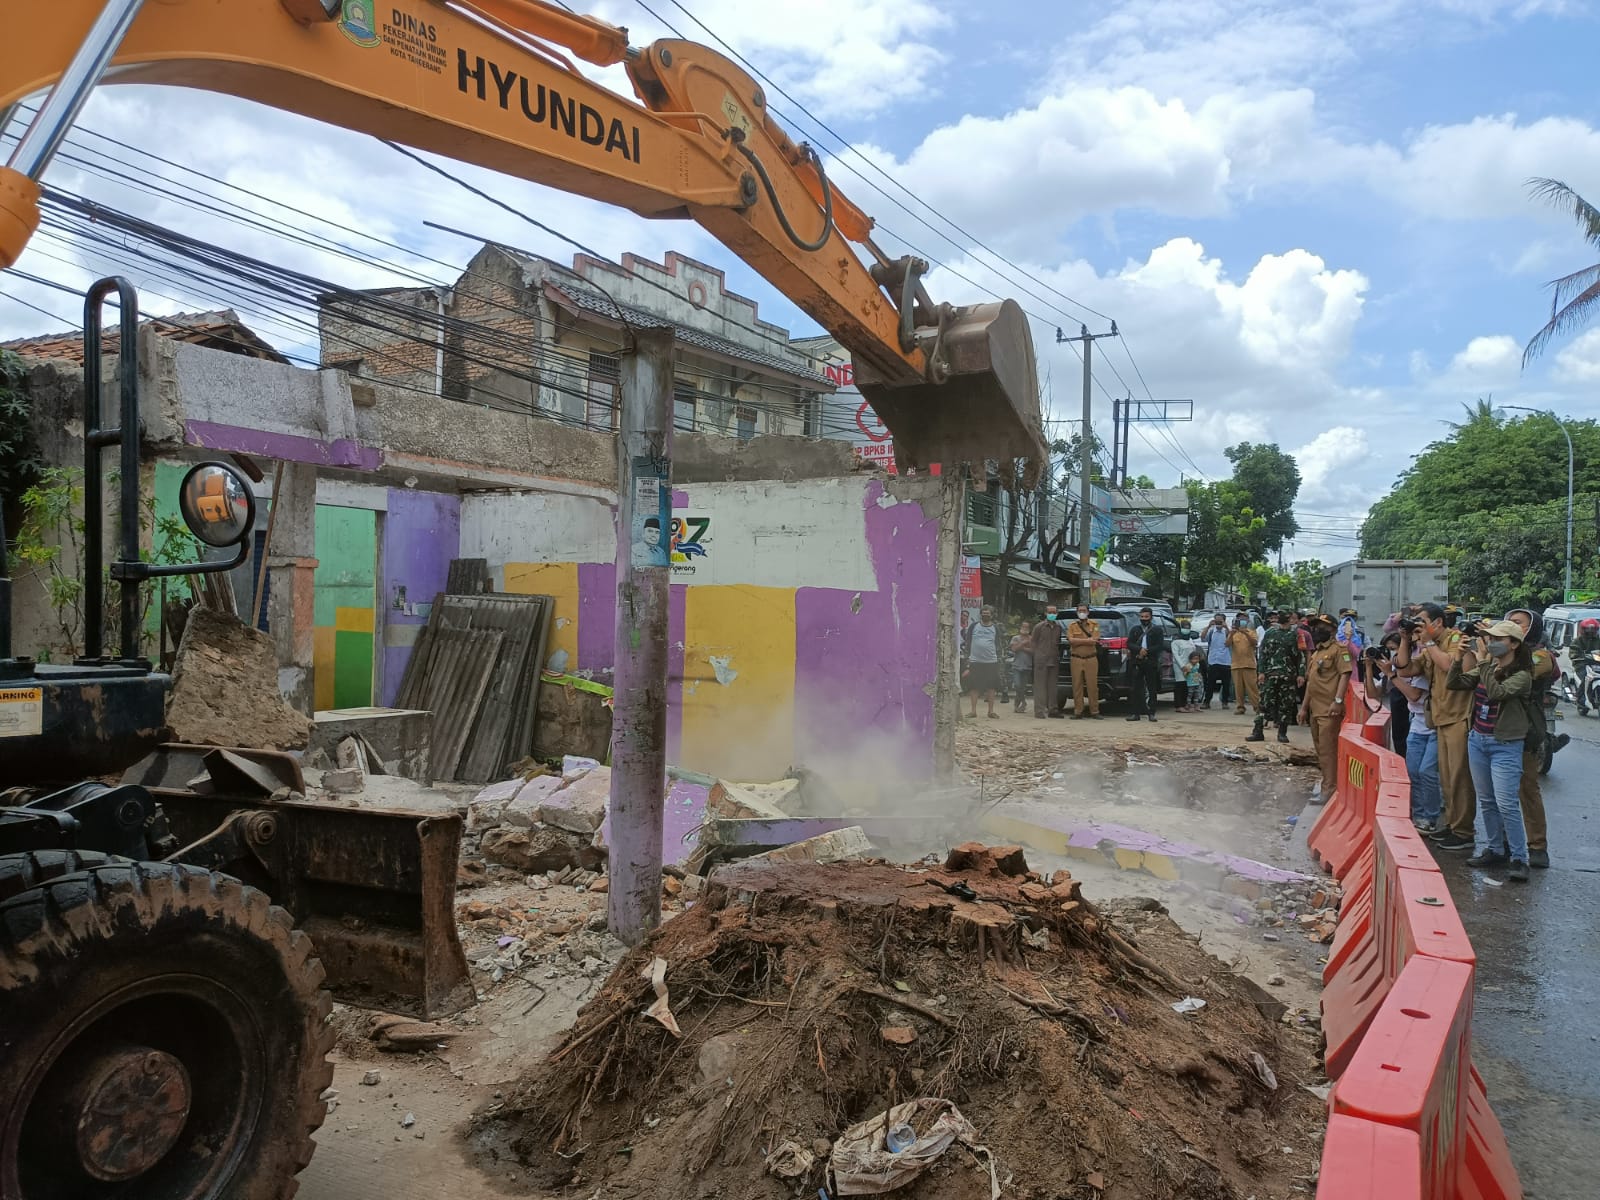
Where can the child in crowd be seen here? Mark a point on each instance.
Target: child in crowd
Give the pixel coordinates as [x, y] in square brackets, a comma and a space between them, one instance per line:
[1194, 676]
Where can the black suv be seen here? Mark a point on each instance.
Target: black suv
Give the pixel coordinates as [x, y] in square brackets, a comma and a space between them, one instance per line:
[1115, 622]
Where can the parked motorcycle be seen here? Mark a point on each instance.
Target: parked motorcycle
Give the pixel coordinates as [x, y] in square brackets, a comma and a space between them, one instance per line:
[1583, 686]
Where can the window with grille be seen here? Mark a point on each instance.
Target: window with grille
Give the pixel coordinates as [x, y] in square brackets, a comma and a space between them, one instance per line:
[746, 418]
[601, 409]
[684, 396]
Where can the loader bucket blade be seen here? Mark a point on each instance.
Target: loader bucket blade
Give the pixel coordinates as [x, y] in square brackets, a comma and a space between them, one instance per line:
[988, 409]
[374, 888]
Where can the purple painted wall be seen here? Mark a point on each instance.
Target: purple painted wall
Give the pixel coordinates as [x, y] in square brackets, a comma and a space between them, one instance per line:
[866, 664]
[597, 606]
[421, 534]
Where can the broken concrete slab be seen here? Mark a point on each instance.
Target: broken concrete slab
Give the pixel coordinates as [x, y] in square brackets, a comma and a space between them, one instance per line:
[580, 807]
[733, 801]
[840, 844]
[523, 811]
[575, 766]
[225, 688]
[400, 737]
[487, 808]
[539, 850]
[343, 781]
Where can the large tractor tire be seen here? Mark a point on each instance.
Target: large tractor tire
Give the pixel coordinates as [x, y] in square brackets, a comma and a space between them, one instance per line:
[163, 1034]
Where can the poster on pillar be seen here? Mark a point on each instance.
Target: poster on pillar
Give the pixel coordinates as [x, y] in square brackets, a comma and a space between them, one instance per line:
[971, 592]
[652, 513]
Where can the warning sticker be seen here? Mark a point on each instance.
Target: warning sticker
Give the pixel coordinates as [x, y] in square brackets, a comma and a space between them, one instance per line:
[21, 712]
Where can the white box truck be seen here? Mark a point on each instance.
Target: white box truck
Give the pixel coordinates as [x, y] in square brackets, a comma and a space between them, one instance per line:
[1376, 587]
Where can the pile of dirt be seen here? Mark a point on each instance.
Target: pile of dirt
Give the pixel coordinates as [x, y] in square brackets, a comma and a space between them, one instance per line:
[808, 998]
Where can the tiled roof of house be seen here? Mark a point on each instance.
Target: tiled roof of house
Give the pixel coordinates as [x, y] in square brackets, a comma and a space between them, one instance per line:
[220, 330]
[575, 297]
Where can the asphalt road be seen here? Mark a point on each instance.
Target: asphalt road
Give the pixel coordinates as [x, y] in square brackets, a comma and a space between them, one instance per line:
[1535, 1026]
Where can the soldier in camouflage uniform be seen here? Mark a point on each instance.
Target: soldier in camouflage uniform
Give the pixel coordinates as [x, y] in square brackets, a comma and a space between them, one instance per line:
[1282, 674]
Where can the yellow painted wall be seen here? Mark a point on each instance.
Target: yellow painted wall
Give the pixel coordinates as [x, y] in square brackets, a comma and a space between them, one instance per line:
[552, 579]
[742, 729]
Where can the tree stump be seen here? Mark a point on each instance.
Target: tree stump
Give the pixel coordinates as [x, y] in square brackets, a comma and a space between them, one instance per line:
[987, 931]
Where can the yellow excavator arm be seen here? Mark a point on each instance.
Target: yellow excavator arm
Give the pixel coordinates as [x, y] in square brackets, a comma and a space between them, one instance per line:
[490, 82]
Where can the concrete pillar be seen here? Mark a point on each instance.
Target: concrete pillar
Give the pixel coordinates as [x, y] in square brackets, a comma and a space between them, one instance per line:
[947, 686]
[292, 565]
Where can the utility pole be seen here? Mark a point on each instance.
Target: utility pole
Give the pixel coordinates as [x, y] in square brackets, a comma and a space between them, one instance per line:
[639, 708]
[1086, 457]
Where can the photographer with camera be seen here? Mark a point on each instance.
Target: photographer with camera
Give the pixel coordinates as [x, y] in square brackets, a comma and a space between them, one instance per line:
[1378, 672]
[1430, 652]
[1545, 675]
[1496, 669]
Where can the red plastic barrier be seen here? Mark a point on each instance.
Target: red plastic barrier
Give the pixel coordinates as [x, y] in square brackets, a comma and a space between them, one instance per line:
[1364, 1160]
[1376, 729]
[1413, 912]
[1410, 1117]
[1412, 1069]
[1344, 829]
[1488, 1173]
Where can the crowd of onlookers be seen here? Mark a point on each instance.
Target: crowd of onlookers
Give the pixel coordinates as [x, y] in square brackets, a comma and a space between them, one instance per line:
[1470, 700]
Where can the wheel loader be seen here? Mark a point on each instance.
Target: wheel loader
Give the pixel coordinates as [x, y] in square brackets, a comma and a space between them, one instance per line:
[174, 927]
[162, 1012]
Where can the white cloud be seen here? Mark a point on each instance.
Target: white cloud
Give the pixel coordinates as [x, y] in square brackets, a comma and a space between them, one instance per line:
[1479, 169]
[838, 57]
[1579, 361]
[1485, 362]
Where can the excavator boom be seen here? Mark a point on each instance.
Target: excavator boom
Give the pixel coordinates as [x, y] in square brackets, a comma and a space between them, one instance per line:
[488, 82]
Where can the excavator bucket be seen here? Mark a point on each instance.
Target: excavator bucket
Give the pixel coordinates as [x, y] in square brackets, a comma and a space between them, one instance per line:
[374, 888]
[986, 410]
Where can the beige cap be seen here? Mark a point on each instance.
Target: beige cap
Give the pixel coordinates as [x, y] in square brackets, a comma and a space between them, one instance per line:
[1507, 629]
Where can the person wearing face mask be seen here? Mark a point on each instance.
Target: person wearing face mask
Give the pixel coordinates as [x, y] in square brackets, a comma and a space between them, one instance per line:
[1219, 660]
[1146, 641]
[1083, 644]
[1497, 672]
[1046, 664]
[1327, 680]
[1449, 713]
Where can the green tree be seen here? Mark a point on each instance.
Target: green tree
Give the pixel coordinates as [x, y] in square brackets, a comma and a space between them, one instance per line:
[1484, 464]
[1574, 297]
[20, 463]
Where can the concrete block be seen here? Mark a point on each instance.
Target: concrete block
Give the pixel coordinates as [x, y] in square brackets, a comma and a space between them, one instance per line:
[580, 807]
[401, 736]
[734, 801]
[523, 811]
[487, 808]
[344, 780]
[850, 842]
[575, 766]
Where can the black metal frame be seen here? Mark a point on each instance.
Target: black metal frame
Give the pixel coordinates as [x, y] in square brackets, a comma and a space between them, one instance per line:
[129, 567]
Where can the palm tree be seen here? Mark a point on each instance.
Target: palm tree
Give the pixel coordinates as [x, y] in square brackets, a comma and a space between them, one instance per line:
[1575, 297]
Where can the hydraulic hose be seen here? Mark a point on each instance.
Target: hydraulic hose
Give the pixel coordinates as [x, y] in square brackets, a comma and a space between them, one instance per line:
[777, 205]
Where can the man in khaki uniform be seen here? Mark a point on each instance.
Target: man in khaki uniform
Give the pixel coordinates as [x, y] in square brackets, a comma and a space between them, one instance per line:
[1046, 642]
[1083, 643]
[1327, 681]
[1532, 793]
[1242, 648]
[1449, 713]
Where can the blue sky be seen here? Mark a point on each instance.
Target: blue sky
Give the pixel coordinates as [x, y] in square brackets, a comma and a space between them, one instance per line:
[1313, 223]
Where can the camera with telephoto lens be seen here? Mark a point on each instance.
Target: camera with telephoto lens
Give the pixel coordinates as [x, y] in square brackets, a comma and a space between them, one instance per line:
[1475, 629]
[1376, 653]
[1410, 623]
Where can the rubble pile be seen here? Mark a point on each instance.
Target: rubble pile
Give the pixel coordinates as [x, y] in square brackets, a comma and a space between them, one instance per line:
[543, 823]
[758, 1045]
